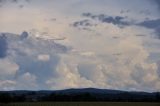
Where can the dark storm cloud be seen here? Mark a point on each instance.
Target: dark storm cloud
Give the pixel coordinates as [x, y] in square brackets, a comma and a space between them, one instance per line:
[91, 21]
[82, 23]
[152, 24]
[116, 20]
[3, 46]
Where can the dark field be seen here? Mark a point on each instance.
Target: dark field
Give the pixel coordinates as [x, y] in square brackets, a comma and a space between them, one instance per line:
[82, 104]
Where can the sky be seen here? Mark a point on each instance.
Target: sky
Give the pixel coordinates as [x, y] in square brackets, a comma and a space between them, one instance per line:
[61, 44]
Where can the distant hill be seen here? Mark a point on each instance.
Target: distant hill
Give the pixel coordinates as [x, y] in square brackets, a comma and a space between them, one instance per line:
[86, 94]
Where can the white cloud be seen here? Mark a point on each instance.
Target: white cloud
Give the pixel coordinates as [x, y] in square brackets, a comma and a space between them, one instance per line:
[87, 53]
[43, 57]
[8, 68]
[68, 77]
[130, 70]
[7, 85]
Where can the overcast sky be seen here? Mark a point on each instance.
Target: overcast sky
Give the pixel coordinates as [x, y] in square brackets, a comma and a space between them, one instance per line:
[111, 44]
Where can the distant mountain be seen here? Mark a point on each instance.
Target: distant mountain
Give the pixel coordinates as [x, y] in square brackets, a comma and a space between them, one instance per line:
[86, 94]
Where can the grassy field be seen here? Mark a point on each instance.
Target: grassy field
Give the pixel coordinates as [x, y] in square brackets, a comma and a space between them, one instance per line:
[82, 104]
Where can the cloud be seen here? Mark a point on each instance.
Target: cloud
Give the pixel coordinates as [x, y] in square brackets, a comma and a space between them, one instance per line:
[124, 11]
[94, 20]
[110, 54]
[7, 85]
[67, 77]
[8, 68]
[157, 2]
[24, 35]
[131, 72]
[157, 30]
[19, 3]
[14, 1]
[27, 81]
[30, 58]
[145, 12]
[87, 53]
[1, 1]
[152, 24]
[3, 46]
[116, 20]
[82, 23]
[43, 57]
